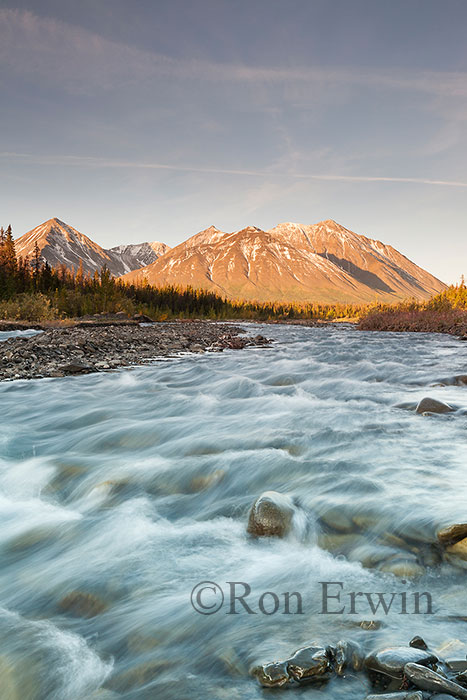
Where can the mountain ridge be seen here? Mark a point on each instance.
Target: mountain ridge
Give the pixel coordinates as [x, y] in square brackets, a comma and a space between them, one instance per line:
[323, 262]
[59, 243]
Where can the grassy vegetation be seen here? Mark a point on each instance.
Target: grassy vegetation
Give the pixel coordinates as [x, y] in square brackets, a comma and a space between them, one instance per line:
[444, 313]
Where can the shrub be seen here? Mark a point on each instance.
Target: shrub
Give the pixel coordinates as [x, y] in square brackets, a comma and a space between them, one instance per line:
[28, 307]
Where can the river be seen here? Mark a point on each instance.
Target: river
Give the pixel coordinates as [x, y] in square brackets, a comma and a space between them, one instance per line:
[121, 491]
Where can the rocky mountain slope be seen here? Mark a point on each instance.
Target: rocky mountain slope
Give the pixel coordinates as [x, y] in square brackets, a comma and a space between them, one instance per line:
[324, 262]
[60, 243]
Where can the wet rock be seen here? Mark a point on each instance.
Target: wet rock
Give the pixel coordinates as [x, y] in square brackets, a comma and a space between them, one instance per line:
[80, 604]
[461, 678]
[370, 554]
[457, 380]
[370, 625]
[403, 568]
[452, 533]
[456, 561]
[427, 679]
[418, 643]
[428, 405]
[457, 665]
[403, 695]
[140, 675]
[271, 515]
[337, 520]
[340, 544]
[310, 665]
[346, 655]
[274, 675]
[201, 483]
[76, 367]
[459, 549]
[387, 665]
[365, 521]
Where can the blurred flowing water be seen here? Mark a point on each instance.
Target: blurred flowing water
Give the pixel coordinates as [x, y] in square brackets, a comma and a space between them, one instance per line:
[121, 491]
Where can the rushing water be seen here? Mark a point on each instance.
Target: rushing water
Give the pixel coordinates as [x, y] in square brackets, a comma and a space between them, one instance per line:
[121, 491]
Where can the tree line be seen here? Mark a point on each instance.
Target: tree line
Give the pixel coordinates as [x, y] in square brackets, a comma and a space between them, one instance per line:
[30, 289]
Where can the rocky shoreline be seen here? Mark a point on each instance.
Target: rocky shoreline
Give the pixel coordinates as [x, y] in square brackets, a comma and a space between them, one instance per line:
[95, 347]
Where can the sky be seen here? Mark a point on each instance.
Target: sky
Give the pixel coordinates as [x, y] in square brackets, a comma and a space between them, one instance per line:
[138, 120]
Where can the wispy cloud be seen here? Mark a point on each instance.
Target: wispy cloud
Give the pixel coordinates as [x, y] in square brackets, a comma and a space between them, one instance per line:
[93, 163]
[81, 61]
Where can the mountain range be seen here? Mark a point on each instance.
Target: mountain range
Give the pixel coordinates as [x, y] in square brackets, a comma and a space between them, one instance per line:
[323, 262]
[60, 243]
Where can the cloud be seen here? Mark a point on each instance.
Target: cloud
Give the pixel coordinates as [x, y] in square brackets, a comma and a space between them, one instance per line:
[78, 60]
[95, 162]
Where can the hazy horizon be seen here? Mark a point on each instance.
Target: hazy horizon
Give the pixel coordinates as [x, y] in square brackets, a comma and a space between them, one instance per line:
[152, 121]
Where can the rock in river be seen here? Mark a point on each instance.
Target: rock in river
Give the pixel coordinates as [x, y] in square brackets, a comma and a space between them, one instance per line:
[385, 667]
[271, 515]
[452, 533]
[426, 679]
[311, 664]
[459, 549]
[428, 405]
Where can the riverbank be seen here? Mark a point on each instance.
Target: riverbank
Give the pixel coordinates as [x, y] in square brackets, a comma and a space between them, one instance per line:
[93, 347]
[451, 321]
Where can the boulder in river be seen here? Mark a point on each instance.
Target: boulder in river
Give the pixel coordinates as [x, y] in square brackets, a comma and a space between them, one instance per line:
[385, 667]
[457, 380]
[271, 515]
[346, 655]
[426, 679]
[312, 664]
[452, 533]
[429, 405]
[274, 675]
[459, 549]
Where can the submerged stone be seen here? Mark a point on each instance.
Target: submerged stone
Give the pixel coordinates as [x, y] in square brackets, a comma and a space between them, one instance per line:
[80, 604]
[402, 568]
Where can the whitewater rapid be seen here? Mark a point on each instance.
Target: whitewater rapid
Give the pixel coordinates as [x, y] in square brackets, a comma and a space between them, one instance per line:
[131, 487]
